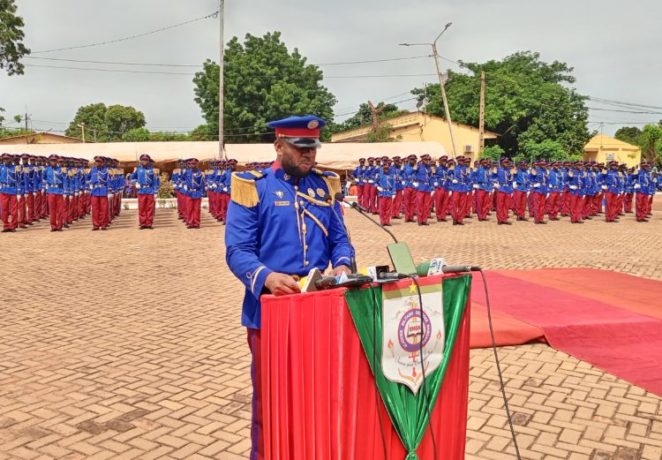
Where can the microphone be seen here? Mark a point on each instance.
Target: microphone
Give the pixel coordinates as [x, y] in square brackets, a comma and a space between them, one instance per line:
[392, 276]
[352, 260]
[326, 282]
[340, 197]
[459, 268]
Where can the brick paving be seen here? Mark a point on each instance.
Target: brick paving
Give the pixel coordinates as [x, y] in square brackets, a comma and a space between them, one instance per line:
[127, 344]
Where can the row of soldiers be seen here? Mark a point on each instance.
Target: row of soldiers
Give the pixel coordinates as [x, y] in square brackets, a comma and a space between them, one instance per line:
[191, 184]
[578, 189]
[60, 188]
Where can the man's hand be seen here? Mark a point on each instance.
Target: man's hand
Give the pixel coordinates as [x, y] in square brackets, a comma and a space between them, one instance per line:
[340, 269]
[281, 284]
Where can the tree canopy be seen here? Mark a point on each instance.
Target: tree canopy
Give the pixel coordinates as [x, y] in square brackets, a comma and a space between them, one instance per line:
[263, 81]
[529, 103]
[11, 38]
[106, 124]
[649, 139]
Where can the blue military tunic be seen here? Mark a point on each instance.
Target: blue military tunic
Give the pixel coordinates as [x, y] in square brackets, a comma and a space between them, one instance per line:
[277, 223]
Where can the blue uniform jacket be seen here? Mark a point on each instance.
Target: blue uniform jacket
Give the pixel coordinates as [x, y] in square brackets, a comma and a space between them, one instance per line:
[195, 183]
[9, 179]
[505, 180]
[98, 181]
[386, 184]
[146, 180]
[277, 223]
[422, 178]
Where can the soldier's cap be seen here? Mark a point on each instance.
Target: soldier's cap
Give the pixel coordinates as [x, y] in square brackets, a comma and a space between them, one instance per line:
[300, 131]
[361, 159]
[144, 156]
[412, 157]
[461, 157]
[192, 160]
[443, 157]
[99, 158]
[371, 159]
[25, 156]
[5, 155]
[385, 158]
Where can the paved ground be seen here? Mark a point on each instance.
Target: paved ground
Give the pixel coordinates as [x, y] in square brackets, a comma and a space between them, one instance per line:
[126, 343]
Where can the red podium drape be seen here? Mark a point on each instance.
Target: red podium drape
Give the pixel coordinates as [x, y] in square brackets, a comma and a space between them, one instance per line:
[319, 397]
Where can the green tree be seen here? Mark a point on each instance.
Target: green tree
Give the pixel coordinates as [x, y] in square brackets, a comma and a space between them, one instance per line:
[263, 81]
[11, 39]
[651, 143]
[528, 102]
[136, 135]
[629, 134]
[364, 116]
[493, 152]
[106, 124]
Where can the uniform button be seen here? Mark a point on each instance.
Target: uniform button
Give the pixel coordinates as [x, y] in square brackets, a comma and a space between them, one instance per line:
[305, 263]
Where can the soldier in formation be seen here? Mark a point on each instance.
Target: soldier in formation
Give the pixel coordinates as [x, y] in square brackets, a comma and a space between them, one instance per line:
[579, 190]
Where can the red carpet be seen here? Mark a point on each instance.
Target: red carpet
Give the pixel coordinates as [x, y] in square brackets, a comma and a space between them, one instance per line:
[611, 320]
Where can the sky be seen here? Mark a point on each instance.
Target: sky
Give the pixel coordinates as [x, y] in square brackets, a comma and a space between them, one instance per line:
[613, 46]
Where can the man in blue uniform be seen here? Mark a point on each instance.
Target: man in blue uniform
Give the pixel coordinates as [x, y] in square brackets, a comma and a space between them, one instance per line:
[386, 180]
[422, 182]
[280, 225]
[146, 180]
[195, 189]
[9, 192]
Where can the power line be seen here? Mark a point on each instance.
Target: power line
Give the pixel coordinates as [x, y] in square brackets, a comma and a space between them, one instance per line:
[156, 64]
[625, 111]
[96, 69]
[624, 104]
[130, 37]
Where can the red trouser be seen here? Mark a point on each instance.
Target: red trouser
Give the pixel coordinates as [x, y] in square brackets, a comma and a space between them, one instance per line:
[360, 194]
[397, 204]
[409, 197]
[641, 206]
[56, 209]
[193, 217]
[458, 206]
[29, 202]
[9, 211]
[423, 206]
[182, 201]
[225, 201]
[22, 211]
[372, 199]
[519, 204]
[257, 437]
[146, 209]
[576, 207]
[37, 206]
[483, 203]
[100, 216]
[441, 202]
[553, 204]
[649, 208]
[385, 203]
[627, 204]
[538, 206]
[611, 207]
[503, 199]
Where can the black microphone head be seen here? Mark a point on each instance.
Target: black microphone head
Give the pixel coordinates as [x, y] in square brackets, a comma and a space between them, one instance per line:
[339, 196]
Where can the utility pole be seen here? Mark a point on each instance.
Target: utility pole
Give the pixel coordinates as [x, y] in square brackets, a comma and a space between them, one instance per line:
[481, 121]
[82, 128]
[221, 71]
[374, 115]
[435, 55]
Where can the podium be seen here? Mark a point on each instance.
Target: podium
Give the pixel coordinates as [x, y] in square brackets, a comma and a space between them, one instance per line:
[318, 393]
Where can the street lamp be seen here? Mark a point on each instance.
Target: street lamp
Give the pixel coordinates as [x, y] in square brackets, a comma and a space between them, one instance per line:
[435, 54]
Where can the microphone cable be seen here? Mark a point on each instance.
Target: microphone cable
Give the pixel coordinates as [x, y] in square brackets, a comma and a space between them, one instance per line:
[374, 363]
[424, 387]
[498, 365]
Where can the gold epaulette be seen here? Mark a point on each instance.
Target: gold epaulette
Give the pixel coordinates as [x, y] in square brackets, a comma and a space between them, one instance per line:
[244, 191]
[332, 181]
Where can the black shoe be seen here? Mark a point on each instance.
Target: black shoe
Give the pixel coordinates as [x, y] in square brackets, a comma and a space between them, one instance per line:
[94, 229]
[505, 223]
[542, 222]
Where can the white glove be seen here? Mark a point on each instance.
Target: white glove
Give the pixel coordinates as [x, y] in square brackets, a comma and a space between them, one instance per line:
[436, 184]
[371, 181]
[637, 186]
[415, 184]
[404, 183]
[475, 186]
[573, 187]
[110, 195]
[515, 185]
[225, 189]
[537, 184]
[380, 189]
[455, 181]
[185, 188]
[137, 185]
[604, 187]
[497, 186]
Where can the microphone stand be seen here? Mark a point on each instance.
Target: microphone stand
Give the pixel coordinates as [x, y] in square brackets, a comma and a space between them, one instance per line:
[352, 259]
[361, 211]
